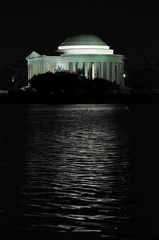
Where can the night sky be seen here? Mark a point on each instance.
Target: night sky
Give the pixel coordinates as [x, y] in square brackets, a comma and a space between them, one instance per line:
[41, 26]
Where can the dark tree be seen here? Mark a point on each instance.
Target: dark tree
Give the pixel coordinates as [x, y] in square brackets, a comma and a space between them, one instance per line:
[54, 82]
[6, 78]
[103, 86]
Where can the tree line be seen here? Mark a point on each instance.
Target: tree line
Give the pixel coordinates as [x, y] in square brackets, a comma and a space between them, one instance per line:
[66, 82]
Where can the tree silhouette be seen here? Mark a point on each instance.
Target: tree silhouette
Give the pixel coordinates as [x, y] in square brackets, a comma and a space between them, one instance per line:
[69, 83]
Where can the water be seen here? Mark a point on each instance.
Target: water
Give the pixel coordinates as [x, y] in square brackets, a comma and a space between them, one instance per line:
[79, 171]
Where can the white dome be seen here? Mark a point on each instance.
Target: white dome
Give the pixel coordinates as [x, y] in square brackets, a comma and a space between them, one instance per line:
[84, 44]
[83, 39]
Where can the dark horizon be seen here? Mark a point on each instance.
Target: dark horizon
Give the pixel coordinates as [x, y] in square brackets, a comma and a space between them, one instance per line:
[129, 29]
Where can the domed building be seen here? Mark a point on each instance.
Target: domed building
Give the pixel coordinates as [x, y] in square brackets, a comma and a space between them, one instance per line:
[85, 52]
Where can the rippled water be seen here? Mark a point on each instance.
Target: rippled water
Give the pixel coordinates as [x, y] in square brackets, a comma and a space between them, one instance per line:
[79, 171]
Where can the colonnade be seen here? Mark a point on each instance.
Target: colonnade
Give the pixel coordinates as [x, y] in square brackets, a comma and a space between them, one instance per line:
[111, 71]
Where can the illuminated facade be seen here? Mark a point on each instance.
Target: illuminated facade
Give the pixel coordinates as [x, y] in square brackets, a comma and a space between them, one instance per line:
[80, 52]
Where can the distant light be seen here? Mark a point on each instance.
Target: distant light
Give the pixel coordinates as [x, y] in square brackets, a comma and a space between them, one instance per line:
[124, 75]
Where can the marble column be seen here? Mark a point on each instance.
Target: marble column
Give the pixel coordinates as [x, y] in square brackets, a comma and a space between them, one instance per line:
[86, 69]
[117, 74]
[121, 80]
[92, 70]
[74, 67]
[101, 70]
[108, 71]
[111, 72]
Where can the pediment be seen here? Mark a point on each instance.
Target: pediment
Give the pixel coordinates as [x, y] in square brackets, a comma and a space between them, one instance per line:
[33, 55]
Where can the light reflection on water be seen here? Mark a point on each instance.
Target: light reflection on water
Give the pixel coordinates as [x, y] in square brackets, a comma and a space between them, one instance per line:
[68, 168]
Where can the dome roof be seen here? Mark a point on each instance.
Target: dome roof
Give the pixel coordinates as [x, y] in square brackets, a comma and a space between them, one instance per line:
[83, 39]
[84, 44]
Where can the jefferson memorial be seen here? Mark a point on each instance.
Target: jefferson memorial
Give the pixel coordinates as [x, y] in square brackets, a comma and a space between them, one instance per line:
[84, 52]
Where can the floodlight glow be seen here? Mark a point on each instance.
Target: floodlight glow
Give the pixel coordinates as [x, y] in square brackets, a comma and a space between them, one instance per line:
[84, 52]
[83, 46]
[84, 49]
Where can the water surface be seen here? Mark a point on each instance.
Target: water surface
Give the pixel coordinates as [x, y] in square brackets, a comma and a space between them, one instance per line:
[80, 171]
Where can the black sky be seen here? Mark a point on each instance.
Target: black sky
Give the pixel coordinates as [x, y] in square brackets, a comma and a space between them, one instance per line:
[129, 28]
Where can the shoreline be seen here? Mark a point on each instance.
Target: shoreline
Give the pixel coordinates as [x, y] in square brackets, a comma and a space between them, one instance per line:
[36, 98]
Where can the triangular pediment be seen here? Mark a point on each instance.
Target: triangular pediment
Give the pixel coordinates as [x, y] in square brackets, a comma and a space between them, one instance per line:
[33, 55]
